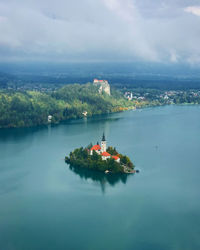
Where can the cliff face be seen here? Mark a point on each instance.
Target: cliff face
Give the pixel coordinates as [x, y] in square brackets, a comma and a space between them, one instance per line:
[104, 86]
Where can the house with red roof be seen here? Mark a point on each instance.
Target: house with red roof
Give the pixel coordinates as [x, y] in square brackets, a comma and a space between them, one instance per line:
[101, 150]
[116, 158]
[95, 148]
[105, 155]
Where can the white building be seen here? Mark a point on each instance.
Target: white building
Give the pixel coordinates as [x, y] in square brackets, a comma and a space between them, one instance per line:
[103, 144]
[128, 95]
[101, 150]
[49, 118]
[105, 156]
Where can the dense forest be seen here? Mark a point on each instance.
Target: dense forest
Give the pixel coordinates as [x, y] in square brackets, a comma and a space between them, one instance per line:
[31, 108]
[25, 108]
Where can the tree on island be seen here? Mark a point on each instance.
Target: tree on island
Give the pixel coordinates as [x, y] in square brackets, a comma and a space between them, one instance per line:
[81, 158]
[112, 150]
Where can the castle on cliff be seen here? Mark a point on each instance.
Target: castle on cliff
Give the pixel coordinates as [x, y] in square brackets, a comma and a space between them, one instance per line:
[103, 85]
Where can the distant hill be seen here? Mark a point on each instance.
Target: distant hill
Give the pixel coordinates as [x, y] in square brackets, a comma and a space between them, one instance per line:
[32, 108]
[135, 74]
[5, 79]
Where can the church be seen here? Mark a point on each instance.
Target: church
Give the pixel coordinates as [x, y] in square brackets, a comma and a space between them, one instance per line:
[101, 150]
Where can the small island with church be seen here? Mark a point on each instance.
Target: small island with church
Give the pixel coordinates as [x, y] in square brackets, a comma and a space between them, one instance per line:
[100, 158]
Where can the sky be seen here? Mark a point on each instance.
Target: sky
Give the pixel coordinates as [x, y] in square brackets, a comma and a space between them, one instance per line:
[100, 30]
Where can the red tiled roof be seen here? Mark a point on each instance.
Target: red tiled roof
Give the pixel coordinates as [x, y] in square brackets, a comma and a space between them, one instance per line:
[105, 154]
[95, 147]
[115, 157]
[97, 80]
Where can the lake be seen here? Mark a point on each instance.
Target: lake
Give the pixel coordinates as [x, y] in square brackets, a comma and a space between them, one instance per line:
[46, 205]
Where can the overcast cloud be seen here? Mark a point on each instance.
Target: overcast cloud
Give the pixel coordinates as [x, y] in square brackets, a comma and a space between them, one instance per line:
[100, 30]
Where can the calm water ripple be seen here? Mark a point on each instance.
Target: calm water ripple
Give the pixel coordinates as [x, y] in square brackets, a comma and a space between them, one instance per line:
[46, 205]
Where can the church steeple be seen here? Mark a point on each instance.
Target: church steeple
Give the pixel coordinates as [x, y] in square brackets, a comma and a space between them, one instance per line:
[103, 137]
[103, 143]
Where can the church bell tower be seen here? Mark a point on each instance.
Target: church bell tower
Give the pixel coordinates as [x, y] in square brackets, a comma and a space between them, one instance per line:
[103, 144]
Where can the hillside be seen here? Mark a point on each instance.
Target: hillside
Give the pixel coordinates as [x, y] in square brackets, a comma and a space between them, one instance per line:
[31, 108]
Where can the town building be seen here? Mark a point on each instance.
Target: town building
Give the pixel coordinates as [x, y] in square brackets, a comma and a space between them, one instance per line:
[128, 95]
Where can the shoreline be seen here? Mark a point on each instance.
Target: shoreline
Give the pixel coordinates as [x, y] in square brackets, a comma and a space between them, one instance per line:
[125, 109]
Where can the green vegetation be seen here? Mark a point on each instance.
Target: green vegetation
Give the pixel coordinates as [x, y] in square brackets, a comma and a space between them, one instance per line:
[112, 150]
[27, 108]
[31, 108]
[81, 158]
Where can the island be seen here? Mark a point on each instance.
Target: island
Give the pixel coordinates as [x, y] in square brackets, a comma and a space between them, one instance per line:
[100, 158]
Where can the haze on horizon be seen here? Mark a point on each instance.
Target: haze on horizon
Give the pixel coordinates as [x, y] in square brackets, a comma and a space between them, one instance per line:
[100, 30]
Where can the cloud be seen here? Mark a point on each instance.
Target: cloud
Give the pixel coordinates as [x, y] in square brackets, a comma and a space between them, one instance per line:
[99, 30]
[173, 57]
[195, 10]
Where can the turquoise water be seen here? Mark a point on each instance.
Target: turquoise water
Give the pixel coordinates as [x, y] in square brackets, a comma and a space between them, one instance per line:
[46, 205]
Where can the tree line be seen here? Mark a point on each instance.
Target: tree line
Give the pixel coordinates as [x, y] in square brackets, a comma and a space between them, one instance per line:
[31, 108]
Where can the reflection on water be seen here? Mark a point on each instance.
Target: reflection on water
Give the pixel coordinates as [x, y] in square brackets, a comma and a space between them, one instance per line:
[95, 119]
[16, 135]
[44, 204]
[101, 178]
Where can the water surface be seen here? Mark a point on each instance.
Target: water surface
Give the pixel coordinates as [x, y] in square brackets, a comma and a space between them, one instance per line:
[46, 205]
